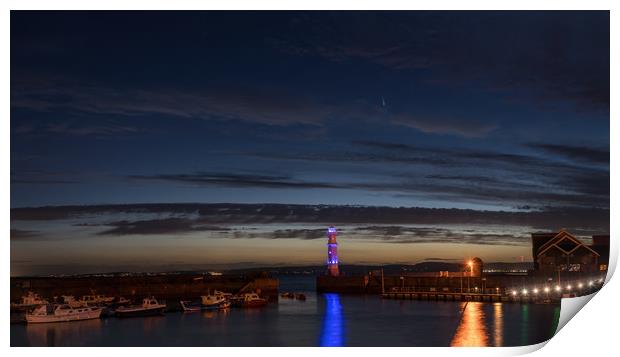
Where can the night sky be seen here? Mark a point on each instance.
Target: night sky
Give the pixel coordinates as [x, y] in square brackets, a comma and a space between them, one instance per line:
[498, 111]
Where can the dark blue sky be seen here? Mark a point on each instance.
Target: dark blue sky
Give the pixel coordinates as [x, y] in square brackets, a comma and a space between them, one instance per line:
[491, 110]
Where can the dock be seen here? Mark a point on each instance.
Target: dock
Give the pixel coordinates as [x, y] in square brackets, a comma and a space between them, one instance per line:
[414, 294]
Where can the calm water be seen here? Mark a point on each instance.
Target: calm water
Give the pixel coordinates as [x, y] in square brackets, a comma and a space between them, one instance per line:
[321, 320]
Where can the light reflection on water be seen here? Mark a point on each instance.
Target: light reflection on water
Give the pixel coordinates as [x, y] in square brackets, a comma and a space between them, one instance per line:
[333, 323]
[472, 331]
[56, 334]
[498, 324]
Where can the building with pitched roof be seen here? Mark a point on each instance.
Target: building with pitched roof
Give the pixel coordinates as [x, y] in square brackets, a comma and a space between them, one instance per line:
[563, 252]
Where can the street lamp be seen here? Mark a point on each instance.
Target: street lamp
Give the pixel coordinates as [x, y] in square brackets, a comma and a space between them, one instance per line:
[471, 265]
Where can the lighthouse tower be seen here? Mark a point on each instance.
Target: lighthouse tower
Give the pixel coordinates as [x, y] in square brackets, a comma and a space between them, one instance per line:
[332, 252]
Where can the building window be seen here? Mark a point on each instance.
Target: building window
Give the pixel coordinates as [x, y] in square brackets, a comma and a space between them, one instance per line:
[574, 267]
[603, 267]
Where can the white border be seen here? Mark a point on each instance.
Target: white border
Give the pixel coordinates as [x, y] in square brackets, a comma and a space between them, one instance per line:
[590, 331]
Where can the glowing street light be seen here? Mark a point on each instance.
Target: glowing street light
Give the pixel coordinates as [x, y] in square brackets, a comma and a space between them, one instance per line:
[535, 291]
[558, 288]
[590, 283]
[580, 285]
[514, 293]
[569, 287]
[524, 291]
[546, 289]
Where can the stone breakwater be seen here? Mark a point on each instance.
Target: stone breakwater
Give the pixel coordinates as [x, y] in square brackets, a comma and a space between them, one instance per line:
[169, 287]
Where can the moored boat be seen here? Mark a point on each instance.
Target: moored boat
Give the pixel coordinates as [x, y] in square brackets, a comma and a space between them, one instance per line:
[96, 299]
[29, 301]
[189, 306]
[71, 301]
[224, 305]
[150, 306]
[62, 313]
[250, 300]
[300, 296]
[216, 301]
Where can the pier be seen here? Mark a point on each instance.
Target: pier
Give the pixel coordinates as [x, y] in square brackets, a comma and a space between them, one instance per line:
[414, 294]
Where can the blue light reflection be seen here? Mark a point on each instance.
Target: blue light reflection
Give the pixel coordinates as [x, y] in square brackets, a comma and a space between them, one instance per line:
[333, 322]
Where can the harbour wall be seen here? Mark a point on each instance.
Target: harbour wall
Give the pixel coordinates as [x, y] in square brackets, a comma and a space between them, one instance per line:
[489, 284]
[173, 287]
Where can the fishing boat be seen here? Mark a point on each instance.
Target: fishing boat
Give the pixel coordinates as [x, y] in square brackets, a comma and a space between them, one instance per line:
[62, 313]
[29, 301]
[189, 306]
[288, 295]
[250, 300]
[149, 307]
[216, 301]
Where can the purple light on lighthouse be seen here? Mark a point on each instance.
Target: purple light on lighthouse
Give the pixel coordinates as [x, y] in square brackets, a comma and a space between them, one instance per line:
[332, 252]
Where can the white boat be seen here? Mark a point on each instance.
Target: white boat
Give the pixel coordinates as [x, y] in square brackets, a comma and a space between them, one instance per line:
[28, 301]
[62, 313]
[215, 301]
[150, 306]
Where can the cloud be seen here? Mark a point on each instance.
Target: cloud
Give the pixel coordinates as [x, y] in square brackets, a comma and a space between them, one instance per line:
[158, 226]
[515, 179]
[267, 105]
[468, 128]
[584, 154]
[404, 234]
[41, 182]
[235, 180]
[19, 234]
[174, 217]
[298, 233]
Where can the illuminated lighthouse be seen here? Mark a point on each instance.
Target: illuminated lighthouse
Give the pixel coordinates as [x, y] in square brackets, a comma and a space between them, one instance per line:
[332, 252]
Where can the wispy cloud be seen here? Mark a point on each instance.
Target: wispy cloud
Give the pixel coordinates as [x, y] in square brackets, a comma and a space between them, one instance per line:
[585, 154]
[267, 105]
[19, 234]
[158, 226]
[388, 221]
[470, 128]
[236, 180]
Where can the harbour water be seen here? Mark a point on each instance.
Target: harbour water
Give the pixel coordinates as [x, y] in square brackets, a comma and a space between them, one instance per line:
[321, 320]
